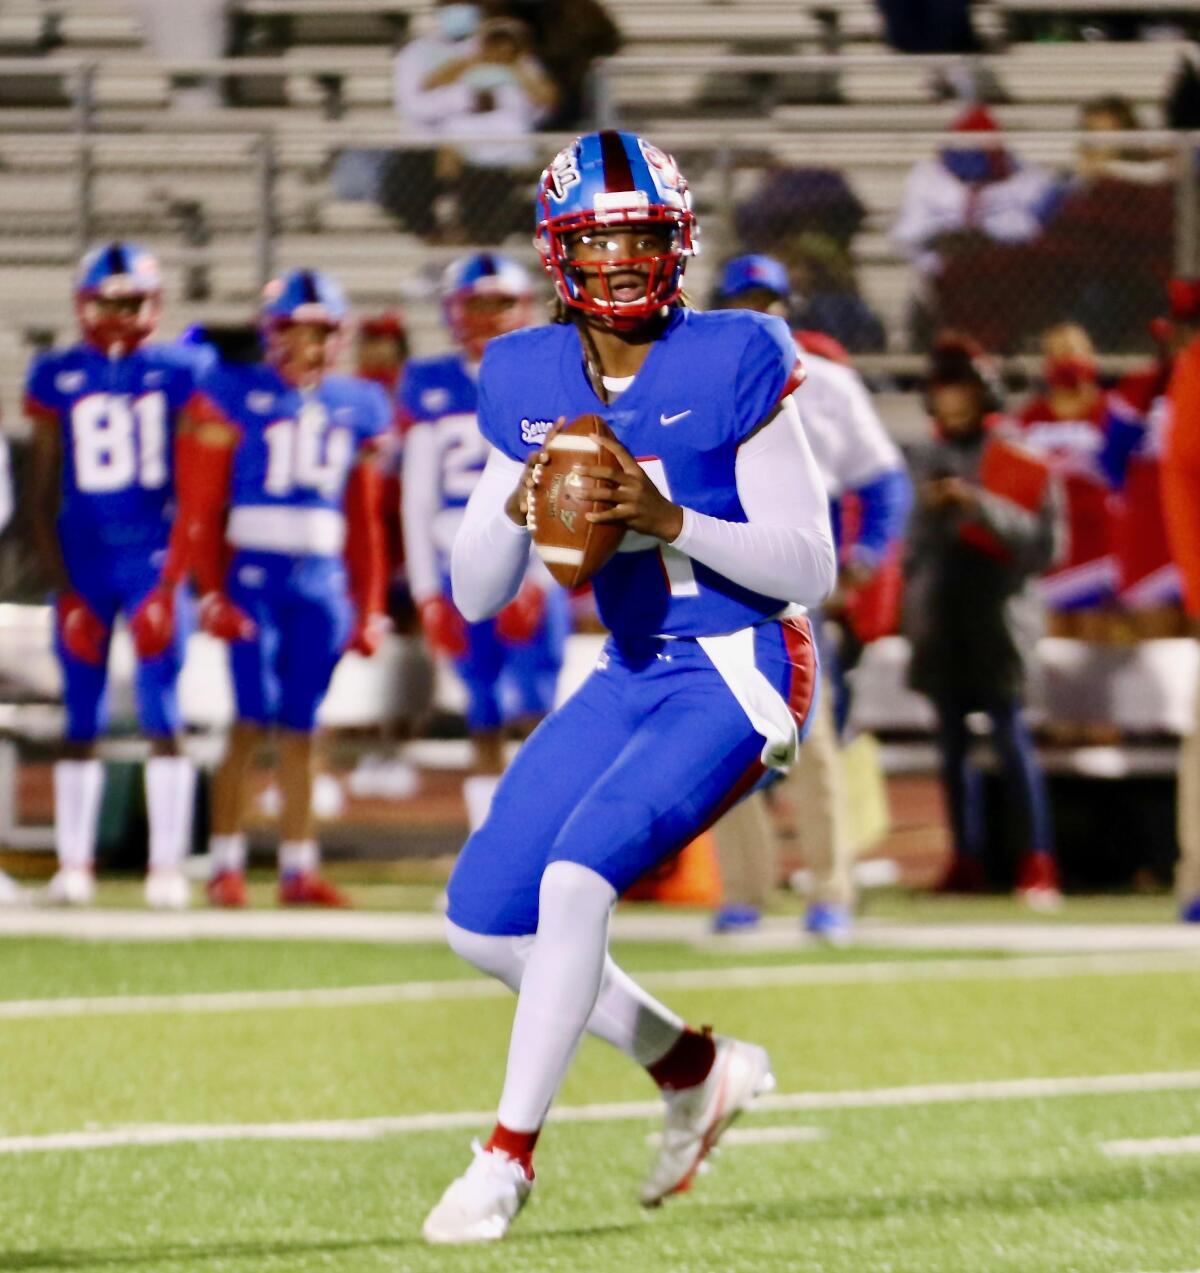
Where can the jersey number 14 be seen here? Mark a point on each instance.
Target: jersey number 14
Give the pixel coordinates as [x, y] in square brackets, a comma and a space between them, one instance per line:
[305, 453]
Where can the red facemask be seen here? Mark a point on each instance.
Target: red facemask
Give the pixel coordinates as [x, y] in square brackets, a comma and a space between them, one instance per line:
[1074, 372]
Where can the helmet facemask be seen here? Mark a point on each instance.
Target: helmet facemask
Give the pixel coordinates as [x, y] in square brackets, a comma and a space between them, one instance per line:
[118, 322]
[302, 351]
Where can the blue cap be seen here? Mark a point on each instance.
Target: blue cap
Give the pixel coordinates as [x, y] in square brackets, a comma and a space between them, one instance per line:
[745, 273]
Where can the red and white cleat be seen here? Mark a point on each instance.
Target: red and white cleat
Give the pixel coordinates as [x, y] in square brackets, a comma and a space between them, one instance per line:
[227, 889]
[481, 1204]
[307, 888]
[1037, 882]
[698, 1116]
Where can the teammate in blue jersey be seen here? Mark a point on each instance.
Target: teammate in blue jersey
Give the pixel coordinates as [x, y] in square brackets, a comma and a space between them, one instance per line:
[857, 459]
[276, 462]
[508, 663]
[104, 413]
[703, 684]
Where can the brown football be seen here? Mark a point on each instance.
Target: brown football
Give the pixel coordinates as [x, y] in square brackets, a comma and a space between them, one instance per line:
[572, 547]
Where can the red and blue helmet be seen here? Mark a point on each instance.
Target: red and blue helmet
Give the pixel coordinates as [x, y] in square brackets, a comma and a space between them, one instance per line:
[118, 271]
[754, 273]
[301, 298]
[608, 180]
[485, 274]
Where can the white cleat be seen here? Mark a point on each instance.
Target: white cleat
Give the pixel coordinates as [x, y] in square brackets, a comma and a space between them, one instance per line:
[168, 891]
[481, 1204]
[698, 1116]
[71, 886]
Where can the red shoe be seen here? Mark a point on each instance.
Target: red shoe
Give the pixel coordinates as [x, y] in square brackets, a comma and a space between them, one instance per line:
[964, 875]
[1037, 882]
[307, 888]
[228, 889]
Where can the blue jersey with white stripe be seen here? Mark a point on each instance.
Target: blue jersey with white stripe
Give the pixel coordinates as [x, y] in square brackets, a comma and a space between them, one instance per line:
[296, 446]
[117, 420]
[705, 386]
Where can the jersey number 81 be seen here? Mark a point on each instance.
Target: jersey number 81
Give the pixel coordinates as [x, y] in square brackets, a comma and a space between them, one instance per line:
[118, 442]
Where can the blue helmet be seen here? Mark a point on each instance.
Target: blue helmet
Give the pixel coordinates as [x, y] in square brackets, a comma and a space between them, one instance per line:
[754, 273]
[609, 180]
[118, 271]
[303, 296]
[485, 274]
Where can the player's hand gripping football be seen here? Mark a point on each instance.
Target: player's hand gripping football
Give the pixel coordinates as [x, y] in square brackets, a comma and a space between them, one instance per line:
[635, 499]
[517, 505]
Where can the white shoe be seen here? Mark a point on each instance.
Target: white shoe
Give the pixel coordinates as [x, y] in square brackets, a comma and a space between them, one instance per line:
[11, 893]
[698, 1116]
[71, 886]
[481, 1204]
[168, 890]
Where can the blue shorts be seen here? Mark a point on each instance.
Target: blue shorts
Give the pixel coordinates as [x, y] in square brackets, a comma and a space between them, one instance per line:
[650, 750]
[301, 607]
[506, 682]
[116, 581]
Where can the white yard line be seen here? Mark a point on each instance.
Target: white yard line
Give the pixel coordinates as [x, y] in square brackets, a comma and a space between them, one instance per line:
[374, 1128]
[1157, 1147]
[1031, 968]
[1021, 936]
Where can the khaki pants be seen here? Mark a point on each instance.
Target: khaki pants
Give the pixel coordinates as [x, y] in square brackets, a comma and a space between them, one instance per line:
[747, 847]
[1187, 811]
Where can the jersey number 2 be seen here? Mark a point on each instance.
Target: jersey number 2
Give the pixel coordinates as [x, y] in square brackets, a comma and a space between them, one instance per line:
[119, 442]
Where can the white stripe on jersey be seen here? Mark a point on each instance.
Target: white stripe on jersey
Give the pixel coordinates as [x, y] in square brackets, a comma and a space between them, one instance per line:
[297, 532]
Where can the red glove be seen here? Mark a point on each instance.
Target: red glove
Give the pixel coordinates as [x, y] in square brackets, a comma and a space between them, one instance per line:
[83, 632]
[152, 624]
[219, 617]
[368, 634]
[518, 622]
[445, 629]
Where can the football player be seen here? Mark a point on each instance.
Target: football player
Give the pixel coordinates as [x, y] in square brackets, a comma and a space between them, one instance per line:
[277, 462]
[104, 414]
[856, 457]
[701, 686]
[508, 663]
[1149, 584]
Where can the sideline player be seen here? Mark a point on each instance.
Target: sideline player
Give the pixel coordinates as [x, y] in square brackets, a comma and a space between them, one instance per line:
[104, 413]
[701, 685]
[856, 457]
[508, 664]
[282, 449]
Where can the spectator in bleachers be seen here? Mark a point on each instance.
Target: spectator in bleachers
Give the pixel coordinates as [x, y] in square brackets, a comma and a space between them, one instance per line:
[195, 31]
[807, 218]
[475, 90]
[987, 521]
[569, 36]
[957, 207]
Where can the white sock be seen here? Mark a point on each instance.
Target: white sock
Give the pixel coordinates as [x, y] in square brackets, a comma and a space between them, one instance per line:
[478, 791]
[227, 853]
[170, 793]
[298, 857]
[558, 991]
[78, 786]
[625, 1015]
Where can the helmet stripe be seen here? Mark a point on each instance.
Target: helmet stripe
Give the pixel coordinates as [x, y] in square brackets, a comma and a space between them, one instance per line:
[117, 263]
[618, 172]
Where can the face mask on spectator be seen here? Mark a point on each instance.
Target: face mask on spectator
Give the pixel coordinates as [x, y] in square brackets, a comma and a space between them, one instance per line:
[458, 21]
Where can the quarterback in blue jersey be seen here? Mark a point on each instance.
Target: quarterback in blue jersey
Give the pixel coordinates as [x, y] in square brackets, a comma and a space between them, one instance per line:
[104, 413]
[276, 462]
[705, 682]
[508, 663]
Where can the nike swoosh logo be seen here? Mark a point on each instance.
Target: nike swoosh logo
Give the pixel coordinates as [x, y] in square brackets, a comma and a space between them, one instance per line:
[670, 419]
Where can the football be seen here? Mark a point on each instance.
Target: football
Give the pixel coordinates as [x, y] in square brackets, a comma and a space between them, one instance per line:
[572, 547]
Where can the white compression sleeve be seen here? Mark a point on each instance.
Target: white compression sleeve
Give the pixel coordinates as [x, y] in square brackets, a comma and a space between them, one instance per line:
[418, 508]
[786, 548]
[490, 552]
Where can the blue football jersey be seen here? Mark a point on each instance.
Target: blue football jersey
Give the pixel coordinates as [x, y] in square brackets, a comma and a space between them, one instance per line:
[442, 393]
[704, 387]
[117, 421]
[295, 451]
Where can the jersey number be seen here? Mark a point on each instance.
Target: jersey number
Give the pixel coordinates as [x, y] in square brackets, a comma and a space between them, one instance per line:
[304, 453]
[464, 456]
[677, 566]
[119, 442]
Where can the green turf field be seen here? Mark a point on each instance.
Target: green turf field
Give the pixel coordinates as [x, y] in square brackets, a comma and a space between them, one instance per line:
[843, 1172]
